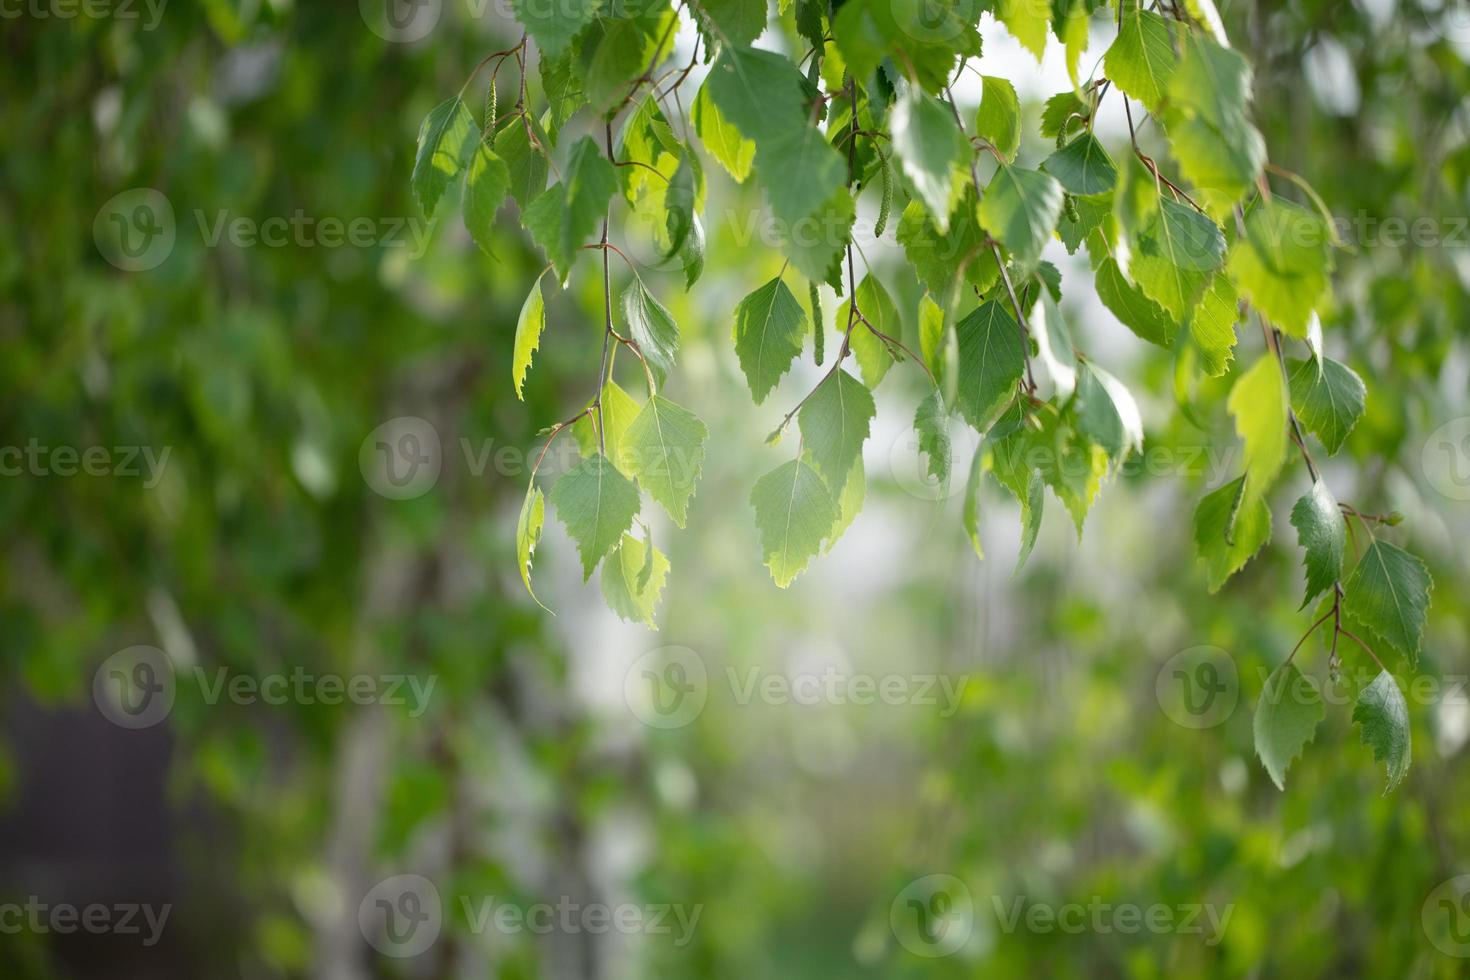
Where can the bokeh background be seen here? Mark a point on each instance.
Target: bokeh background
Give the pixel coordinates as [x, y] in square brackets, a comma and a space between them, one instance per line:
[1034, 746]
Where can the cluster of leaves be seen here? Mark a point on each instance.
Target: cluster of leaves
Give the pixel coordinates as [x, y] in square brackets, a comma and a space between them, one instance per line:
[1183, 252]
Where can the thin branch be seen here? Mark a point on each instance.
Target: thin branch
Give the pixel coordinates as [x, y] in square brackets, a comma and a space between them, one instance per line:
[607, 313]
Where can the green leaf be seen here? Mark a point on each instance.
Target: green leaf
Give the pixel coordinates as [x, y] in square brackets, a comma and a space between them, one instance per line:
[1029, 22]
[486, 186]
[1258, 402]
[724, 142]
[799, 171]
[1177, 253]
[970, 514]
[793, 513]
[590, 184]
[553, 25]
[1213, 326]
[1222, 164]
[999, 117]
[871, 353]
[931, 333]
[652, 326]
[679, 203]
[1070, 463]
[815, 243]
[1031, 507]
[936, 258]
[731, 22]
[1388, 594]
[1141, 60]
[1107, 413]
[620, 51]
[566, 214]
[931, 422]
[1328, 397]
[632, 579]
[528, 535]
[1322, 534]
[1228, 530]
[1282, 263]
[1020, 209]
[1212, 81]
[770, 326]
[762, 94]
[759, 91]
[1136, 311]
[664, 449]
[835, 422]
[921, 35]
[1384, 715]
[528, 335]
[618, 411]
[525, 164]
[929, 146]
[1083, 166]
[849, 503]
[1053, 342]
[992, 362]
[1061, 112]
[597, 504]
[1286, 720]
[446, 140]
